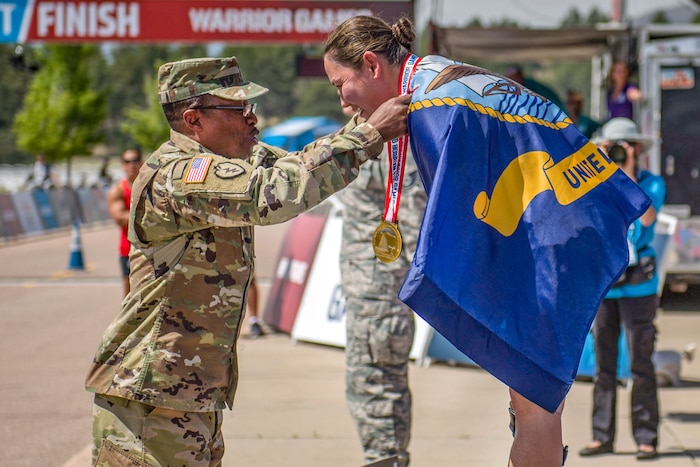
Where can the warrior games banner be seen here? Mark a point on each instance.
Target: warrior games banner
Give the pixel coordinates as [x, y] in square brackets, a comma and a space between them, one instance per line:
[291, 22]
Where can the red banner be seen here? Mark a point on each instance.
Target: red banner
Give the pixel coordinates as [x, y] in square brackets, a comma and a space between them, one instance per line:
[198, 20]
[293, 267]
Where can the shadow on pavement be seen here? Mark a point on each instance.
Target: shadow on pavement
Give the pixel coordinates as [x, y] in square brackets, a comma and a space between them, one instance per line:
[684, 417]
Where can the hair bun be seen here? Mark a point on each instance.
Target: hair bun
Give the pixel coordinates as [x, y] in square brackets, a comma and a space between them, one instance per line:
[402, 30]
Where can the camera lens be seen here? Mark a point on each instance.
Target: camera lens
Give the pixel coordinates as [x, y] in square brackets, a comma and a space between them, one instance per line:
[617, 153]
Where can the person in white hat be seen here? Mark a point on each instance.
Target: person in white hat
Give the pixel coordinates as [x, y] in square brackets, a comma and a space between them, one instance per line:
[631, 304]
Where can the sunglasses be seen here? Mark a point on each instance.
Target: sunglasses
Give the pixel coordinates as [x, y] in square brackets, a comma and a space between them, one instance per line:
[247, 110]
[134, 161]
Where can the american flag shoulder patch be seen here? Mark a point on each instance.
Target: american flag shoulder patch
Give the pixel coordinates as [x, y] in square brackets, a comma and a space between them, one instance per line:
[198, 169]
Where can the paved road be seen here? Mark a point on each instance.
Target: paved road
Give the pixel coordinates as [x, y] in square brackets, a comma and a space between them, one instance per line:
[289, 409]
[51, 319]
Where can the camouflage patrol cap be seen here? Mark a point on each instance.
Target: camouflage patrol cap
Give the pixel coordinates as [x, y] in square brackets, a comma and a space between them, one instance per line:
[220, 77]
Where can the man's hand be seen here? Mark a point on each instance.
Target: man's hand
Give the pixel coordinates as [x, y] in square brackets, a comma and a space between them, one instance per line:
[390, 117]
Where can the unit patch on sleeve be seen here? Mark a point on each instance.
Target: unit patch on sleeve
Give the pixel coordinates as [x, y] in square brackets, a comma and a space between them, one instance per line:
[228, 170]
[198, 169]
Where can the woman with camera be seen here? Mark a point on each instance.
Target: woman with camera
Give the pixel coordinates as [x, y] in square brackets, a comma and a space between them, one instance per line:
[631, 304]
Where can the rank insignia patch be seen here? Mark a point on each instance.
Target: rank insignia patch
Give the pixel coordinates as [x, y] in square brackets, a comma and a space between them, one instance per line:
[198, 169]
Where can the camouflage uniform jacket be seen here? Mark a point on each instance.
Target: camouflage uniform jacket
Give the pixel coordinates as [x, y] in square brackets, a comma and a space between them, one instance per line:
[174, 343]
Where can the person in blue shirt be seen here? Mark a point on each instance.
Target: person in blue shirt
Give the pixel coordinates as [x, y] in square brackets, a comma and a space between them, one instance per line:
[630, 304]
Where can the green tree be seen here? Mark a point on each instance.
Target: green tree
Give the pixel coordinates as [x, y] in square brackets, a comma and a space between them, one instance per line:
[16, 68]
[272, 66]
[596, 16]
[62, 111]
[660, 18]
[129, 67]
[505, 23]
[475, 23]
[572, 18]
[275, 68]
[316, 96]
[576, 18]
[147, 126]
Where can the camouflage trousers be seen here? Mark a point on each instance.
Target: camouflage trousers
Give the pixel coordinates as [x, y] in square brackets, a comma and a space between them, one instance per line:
[128, 433]
[379, 339]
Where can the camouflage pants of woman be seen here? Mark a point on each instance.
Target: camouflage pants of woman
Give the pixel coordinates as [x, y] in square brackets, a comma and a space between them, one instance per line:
[127, 433]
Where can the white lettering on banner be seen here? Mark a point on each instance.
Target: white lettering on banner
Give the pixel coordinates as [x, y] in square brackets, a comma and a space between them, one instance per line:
[283, 268]
[266, 20]
[297, 273]
[88, 19]
[6, 13]
[317, 20]
[269, 20]
[292, 269]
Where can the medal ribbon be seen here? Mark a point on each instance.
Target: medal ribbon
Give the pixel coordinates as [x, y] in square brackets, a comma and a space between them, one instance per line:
[397, 149]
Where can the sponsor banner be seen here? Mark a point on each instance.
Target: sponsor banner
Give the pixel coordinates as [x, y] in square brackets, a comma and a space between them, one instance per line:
[60, 201]
[72, 198]
[321, 315]
[293, 266]
[28, 213]
[46, 211]
[100, 197]
[37, 211]
[9, 220]
[183, 21]
[90, 209]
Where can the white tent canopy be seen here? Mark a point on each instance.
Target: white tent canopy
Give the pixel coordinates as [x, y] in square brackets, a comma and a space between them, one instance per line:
[518, 45]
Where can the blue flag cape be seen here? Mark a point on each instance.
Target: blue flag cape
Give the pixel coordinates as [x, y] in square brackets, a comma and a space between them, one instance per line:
[525, 228]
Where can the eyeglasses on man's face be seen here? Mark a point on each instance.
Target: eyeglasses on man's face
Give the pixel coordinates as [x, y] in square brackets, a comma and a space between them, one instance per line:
[131, 161]
[247, 110]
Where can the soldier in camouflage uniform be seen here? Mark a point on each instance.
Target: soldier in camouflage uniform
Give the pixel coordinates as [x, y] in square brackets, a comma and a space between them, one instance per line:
[167, 365]
[379, 327]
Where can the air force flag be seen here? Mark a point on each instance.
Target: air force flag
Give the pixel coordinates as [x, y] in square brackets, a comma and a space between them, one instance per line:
[525, 228]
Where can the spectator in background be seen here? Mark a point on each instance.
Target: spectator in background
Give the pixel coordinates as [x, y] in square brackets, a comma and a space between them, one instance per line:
[631, 304]
[516, 73]
[622, 94]
[252, 306]
[118, 203]
[104, 179]
[574, 108]
[42, 175]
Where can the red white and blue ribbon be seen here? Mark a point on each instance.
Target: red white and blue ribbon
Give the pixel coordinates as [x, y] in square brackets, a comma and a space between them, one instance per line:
[397, 149]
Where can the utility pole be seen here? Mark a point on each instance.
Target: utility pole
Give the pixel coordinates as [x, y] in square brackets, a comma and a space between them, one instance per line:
[617, 12]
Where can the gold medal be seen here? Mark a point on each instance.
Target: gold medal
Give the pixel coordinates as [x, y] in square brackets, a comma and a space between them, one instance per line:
[387, 242]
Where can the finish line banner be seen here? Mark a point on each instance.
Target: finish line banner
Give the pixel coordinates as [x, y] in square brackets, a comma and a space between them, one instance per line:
[290, 22]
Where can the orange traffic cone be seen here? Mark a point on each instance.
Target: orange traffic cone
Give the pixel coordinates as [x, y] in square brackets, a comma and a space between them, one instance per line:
[76, 250]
